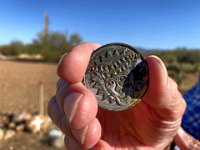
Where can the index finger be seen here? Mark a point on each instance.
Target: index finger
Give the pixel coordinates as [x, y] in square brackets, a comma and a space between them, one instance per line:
[73, 65]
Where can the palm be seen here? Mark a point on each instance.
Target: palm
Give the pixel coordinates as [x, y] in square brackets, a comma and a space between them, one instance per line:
[139, 126]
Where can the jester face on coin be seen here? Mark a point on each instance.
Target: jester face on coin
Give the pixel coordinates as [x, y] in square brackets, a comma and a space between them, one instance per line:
[118, 75]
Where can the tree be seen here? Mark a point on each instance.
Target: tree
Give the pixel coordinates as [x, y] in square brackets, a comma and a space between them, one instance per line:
[14, 48]
[55, 45]
[51, 46]
[75, 39]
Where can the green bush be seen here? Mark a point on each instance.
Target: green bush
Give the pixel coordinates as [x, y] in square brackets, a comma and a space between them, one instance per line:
[52, 47]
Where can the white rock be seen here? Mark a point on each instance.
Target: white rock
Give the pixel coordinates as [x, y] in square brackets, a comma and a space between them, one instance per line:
[55, 133]
[58, 142]
[9, 134]
[56, 138]
[38, 123]
[1, 134]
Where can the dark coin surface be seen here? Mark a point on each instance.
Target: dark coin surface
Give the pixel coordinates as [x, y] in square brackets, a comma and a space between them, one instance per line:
[118, 75]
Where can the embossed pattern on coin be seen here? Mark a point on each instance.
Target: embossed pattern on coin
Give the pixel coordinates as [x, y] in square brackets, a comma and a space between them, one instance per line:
[118, 75]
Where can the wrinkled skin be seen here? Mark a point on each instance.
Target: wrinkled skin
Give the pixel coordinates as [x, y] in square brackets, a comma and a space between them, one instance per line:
[151, 124]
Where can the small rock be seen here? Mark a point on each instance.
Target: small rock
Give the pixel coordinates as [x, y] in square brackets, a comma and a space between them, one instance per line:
[38, 123]
[11, 148]
[58, 142]
[20, 127]
[4, 119]
[22, 117]
[56, 138]
[9, 134]
[1, 134]
[27, 117]
[11, 125]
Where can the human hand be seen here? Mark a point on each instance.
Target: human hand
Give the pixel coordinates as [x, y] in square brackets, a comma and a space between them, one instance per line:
[151, 124]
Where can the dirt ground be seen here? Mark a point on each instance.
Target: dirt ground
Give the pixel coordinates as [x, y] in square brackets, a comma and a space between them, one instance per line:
[25, 141]
[19, 85]
[19, 92]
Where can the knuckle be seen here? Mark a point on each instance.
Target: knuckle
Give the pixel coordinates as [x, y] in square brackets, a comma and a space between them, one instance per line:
[56, 115]
[172, 85]
[61, 92]
[63, 125]
[71, 143]
[50, 106]
[61, 84]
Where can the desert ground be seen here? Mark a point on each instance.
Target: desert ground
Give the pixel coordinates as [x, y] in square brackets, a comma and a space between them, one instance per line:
[19, 92]
[19, 85]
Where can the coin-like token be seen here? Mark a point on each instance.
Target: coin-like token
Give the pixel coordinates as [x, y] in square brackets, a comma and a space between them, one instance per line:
[118, 75]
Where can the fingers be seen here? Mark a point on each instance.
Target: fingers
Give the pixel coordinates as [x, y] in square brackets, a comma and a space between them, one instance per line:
[78, 104]
[89, 135]
[185, 141]
[73, 65]
[55, 114]
[85, 137]
[59, 119]
[79, 107]
[93, 134]
[162, 92]
[101, 145]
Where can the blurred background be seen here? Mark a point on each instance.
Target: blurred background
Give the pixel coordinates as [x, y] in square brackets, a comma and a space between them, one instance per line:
[34, 34]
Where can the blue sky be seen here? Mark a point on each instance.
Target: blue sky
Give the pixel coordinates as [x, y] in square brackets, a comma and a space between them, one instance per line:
[144, 23]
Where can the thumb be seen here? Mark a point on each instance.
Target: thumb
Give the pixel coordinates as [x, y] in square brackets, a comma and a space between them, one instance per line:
[162, 93]
[158, 78]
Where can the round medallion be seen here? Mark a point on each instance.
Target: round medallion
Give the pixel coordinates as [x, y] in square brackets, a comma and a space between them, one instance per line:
[118, 75]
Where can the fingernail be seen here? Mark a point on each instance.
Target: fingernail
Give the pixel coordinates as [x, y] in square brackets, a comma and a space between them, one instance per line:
[71, 102]
[160, 62]
[61, 59]
[80, 134]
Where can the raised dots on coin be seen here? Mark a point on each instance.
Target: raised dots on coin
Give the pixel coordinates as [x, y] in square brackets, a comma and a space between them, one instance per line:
[121, 79]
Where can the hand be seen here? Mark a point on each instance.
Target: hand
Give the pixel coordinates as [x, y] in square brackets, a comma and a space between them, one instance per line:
[151, 124]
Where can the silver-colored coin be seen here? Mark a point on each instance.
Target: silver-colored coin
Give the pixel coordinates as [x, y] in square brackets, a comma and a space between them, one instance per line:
[118, 75]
